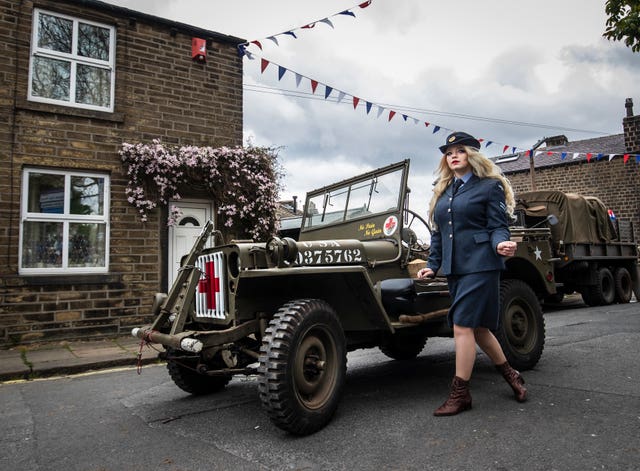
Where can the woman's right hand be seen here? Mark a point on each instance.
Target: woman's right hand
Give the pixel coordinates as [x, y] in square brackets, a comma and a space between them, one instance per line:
[426, 273]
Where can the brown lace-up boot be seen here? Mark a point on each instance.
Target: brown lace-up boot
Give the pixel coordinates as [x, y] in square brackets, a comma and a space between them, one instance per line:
[459, 399]
[515, 380]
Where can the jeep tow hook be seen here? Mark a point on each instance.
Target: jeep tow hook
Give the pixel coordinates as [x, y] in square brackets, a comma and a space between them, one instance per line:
[175, 341]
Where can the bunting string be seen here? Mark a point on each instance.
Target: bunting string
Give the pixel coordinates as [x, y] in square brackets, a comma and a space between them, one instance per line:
[334, 94]
[242, 48]
[329, 91]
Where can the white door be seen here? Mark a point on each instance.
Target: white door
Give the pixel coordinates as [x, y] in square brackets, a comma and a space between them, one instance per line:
[182, 236]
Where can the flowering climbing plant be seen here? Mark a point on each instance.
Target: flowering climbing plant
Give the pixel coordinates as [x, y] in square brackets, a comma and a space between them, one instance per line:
[244, 182]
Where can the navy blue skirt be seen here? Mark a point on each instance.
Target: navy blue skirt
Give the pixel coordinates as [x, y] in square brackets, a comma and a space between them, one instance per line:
[475, 299]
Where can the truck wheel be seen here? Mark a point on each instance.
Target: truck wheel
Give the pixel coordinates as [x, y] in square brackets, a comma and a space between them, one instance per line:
[303, 363]
[403, 347]
[521, 331]
[623, 285]
[603, 292]
[185, 376]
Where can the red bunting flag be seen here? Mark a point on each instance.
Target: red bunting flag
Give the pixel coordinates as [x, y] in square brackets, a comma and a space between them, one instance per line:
[426, 125]
[625, 158]
[263, 65]
[504, 149]
[589, 155]
[309, 26]
[365, 4]
[356, 100]
[391, 114]
[257, 43]
[314, 85]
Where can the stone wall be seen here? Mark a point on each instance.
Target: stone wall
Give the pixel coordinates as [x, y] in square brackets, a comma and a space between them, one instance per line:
[160, 93]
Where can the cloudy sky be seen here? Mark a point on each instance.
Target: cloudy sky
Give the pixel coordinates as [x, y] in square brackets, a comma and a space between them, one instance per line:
[510, 72]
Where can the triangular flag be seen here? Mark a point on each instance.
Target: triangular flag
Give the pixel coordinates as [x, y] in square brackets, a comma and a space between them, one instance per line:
[513, 149]
[291, 33]
[298, 79]
[355, 102]
[327, 91]
[281, 71]
[415, 120]
[575, 155]
[263, 65]
[365, 4]
[380, 110]
[563, 156]
[504, 149]
[637, 158]
[625, 158]
[436, 129]
[347, 12]
[489, 143]
[599, 156]
[257, 43]
[549, 153]
[314, 85]
[309, 26]
[369, 106]
[391, 114]
[426, 125]
[242, 49]
[404, 116]
[611, 157]
[340, 96]
[273, 38]
[249, 55]
[589, 155]
[326, 21]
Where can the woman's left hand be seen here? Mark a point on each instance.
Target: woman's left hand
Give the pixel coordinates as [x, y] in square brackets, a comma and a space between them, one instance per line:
[506, 248]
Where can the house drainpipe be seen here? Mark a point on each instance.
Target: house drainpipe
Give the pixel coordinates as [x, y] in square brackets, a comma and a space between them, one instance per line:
[532, 169]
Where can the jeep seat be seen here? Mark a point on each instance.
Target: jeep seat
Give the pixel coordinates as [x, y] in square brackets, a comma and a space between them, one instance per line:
[398, 296]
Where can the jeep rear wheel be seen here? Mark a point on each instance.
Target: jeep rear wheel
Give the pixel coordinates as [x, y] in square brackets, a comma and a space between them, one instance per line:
[184, 375]
[521, 331]
[303, 364]
[403, 347]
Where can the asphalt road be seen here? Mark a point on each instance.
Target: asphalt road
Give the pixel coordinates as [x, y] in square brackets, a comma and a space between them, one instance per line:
[583, 414]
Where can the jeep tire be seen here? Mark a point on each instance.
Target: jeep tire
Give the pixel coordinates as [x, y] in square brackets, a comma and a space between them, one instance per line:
[302, 366]
[184, 375]
[402, 347]
[521, 331]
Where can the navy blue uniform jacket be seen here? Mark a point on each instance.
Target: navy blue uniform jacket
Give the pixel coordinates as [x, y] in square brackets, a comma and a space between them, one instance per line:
[469, 226]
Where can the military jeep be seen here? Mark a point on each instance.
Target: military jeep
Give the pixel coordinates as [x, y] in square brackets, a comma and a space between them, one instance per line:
[288, 311]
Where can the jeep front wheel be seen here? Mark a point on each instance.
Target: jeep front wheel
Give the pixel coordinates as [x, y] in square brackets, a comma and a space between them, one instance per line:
[302, 366]
[521, 330]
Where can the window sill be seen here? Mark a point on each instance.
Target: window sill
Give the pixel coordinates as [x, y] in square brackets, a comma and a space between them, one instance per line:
[58, 280]
[27, 105]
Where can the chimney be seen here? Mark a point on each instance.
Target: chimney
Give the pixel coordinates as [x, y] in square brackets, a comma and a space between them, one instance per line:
[631, 128]
[555, 141]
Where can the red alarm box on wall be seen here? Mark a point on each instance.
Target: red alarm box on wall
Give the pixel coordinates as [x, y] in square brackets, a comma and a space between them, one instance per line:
[199, 49]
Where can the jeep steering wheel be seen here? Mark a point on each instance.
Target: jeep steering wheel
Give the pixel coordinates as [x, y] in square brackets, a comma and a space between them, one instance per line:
[409, 236]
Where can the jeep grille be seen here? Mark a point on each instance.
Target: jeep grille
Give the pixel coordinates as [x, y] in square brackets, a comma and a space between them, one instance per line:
[210, 298]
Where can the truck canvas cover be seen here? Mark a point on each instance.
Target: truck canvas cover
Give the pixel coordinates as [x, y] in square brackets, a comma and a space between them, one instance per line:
[581, 220]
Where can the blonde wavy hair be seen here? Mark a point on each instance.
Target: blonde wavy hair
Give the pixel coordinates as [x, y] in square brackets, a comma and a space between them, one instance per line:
[482, 167]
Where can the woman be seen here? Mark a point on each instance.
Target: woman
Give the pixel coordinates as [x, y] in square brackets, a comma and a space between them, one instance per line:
[469, 212]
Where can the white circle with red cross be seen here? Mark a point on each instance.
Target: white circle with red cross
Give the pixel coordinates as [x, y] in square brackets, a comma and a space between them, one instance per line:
[390, 225]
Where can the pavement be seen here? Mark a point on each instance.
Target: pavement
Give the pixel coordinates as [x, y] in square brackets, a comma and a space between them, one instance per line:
[43, 360]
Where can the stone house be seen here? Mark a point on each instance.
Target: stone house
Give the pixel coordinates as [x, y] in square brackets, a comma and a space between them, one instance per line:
[605, 167]
[78, 79]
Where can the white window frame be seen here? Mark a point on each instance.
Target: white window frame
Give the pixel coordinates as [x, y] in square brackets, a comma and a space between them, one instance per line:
[74, 59]
[66, 218]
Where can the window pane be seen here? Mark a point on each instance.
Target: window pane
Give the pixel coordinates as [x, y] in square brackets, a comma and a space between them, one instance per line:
[93, 86]
[55, 33]
[51, 78]
[93, 41]
[87, 195]
[87, 245]
[46, 193]
[42, 245]
[386, 192]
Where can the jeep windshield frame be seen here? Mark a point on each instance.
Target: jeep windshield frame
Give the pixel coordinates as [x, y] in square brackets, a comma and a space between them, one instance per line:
[357, 208]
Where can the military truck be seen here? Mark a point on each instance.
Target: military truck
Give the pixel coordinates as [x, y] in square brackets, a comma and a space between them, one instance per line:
[589, 250]
[288, 311]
